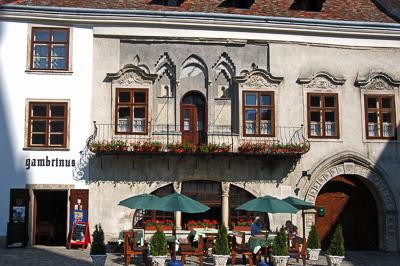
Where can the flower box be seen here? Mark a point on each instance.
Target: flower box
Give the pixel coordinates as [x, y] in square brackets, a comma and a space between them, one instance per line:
[147, 146]
[190, 228]
[241, 227]
[154, 227]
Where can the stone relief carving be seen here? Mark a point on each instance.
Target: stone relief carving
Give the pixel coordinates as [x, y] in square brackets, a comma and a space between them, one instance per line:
[130, 78]
[257, 81]
[322, 83]
[225, 186]
[177, 187]
[377, 84]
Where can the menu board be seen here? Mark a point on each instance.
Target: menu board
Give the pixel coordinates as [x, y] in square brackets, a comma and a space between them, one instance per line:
[79, 234]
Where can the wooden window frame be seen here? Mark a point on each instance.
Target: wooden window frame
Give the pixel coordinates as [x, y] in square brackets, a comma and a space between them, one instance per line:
[132, 105]
[380, 111]
[49, 43]
[47, 118]
[258, 107]
[323, 109]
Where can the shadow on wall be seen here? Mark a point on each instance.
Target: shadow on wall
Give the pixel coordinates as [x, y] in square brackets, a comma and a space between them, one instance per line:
[127, 168]
[12, 171]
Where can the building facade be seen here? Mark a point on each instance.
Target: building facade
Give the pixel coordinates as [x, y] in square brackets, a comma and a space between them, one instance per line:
[223, 108]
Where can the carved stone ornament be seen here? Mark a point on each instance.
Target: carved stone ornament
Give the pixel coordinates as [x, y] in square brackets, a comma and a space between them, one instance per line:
[258, 79]
[259, 82]
[177, 187]
[130, 78]
[225, 187]
[321, 83]
[377, 84]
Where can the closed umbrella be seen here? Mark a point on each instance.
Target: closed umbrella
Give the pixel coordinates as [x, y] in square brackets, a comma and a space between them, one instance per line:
[268, 204]
[301, 205]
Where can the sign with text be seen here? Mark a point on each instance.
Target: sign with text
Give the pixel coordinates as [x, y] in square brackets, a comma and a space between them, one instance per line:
[79, 235]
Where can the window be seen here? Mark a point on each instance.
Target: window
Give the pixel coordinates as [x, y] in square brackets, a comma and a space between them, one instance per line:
[49, 49]
[258, 113]
[48, 124]
[323, 115]
[380, 116]
[131, 106]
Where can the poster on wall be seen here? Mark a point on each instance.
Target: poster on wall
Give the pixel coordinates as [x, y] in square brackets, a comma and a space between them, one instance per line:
[18, 214]
[78, 216]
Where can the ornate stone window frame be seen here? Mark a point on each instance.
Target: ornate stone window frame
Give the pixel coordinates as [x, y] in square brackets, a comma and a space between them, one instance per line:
[132, 77]
[257, 80]
[322, 82]
[378, 83]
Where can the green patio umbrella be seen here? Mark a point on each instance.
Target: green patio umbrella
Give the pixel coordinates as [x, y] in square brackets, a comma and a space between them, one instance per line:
[301, 205]
[141, 201]
[177, 202]
[268, 204]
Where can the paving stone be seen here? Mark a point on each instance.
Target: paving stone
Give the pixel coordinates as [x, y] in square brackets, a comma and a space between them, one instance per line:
[60, 256]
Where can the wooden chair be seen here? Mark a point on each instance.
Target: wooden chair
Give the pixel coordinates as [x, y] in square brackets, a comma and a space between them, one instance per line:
[131, 248]
[240, 248]
[189, 250]
[297, 247]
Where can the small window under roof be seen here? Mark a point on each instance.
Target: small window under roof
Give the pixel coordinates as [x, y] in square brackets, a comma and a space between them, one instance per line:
[308, 5]
[245, 4]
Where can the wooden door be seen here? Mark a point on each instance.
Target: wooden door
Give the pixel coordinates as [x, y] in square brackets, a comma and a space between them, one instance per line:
[189, 127]
[347, 201]
[193, 118]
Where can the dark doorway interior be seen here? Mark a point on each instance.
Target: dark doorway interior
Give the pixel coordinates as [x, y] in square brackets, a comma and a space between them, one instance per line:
[349, 202]
[51, 217]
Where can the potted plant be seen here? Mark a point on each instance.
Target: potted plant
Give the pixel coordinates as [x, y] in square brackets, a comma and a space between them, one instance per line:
[98, 248]
[158, 248]
[280, 252]
[313, 244]
[335, 253]
[221, 249]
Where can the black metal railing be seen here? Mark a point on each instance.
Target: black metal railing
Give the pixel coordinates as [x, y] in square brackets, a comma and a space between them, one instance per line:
[171, 134]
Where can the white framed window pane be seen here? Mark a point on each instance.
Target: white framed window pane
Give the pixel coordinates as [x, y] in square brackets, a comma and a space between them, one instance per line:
[315, 129]
[40, 62]
[38, 126]
[251, 116]
[41, 35]
[124, 118]
[56, 139]
[388, 130]
[38, 139]
[186, 124]
[39, 110]
[40, 50]
[266, 127]
[58, 50]
[265, 100]
[58, 63]
[330, 128]
[59, 36]
[139, 119]
[57, 126]
[373, 130]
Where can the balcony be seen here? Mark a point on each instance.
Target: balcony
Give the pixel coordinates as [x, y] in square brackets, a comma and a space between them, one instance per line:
[219, 139]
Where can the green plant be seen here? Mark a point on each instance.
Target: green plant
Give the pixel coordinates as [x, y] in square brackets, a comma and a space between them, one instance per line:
[221, 246]
[313, 238]
[279, 246]
[336, 246]
[158, 244]
[98, 247]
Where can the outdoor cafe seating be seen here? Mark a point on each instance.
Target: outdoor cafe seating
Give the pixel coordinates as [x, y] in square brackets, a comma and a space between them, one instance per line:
[134, 245]
[193, 249]
[240, 248]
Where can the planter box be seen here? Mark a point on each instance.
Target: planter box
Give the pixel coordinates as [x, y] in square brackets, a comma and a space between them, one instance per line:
[334, 260]
[190, 228]
[158, 260]
[241, 227]
[280, 260]
[154, 228]
[313, 254]
[220, 260]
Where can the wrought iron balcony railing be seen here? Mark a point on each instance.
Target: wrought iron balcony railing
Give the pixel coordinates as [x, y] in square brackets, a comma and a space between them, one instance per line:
[217, 138]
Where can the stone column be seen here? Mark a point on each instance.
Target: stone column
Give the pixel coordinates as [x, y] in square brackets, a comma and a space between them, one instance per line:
[178, 215]
[225, 202]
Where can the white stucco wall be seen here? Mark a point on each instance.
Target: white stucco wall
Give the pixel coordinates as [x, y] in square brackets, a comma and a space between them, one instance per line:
[16, 86]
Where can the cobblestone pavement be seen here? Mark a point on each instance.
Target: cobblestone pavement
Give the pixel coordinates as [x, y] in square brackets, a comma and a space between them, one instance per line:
[60, 256]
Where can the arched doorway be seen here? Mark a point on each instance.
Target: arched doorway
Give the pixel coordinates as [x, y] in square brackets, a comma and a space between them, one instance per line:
[348, 201]
[193, 118]
[208, 193]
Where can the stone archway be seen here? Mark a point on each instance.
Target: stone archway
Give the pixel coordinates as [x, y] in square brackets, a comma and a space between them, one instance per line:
[353, 165]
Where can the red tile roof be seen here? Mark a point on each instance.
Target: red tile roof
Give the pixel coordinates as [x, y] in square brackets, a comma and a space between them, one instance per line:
[351, 10]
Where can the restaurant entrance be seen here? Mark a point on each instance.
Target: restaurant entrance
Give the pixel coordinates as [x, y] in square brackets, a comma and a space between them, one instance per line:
[50, 217]
[348, 201]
